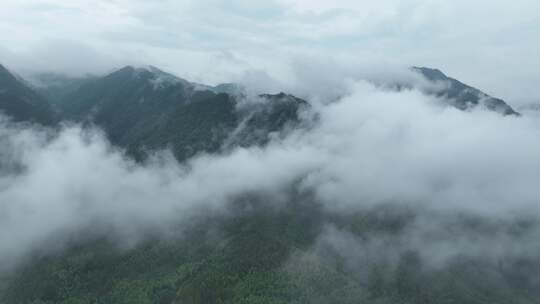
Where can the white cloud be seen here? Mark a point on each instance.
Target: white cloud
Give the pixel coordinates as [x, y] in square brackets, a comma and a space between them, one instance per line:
[189, 36]
[369, 148]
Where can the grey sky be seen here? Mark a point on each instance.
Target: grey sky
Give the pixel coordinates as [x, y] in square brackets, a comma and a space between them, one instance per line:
[492, 45]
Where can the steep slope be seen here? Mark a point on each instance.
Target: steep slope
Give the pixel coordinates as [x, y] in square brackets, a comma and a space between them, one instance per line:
[461, 95]
[143, 109]
[21, 103]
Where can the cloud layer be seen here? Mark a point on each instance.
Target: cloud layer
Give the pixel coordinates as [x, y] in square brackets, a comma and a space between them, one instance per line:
[371, 147]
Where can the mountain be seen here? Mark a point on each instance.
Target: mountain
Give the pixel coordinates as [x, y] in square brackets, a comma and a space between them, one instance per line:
[19, 101]
[461, 95]
[143, 109]
[257, 252]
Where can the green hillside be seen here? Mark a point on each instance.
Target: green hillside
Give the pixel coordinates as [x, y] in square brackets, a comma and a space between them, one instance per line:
[268, 254]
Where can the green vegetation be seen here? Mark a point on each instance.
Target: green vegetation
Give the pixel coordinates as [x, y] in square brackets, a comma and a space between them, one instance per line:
[139, 114]
[262, 255]
[259, 252]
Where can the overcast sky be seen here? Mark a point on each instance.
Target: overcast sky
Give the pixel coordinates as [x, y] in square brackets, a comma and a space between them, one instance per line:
[493, 45]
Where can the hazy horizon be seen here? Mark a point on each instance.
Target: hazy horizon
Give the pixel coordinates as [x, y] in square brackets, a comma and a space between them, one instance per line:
[490, 45]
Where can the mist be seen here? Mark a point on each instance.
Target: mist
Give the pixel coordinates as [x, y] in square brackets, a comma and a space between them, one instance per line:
[221, 38]
[369, 147]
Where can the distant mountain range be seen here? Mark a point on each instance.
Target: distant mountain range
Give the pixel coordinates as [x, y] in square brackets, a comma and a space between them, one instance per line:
[143, 109]
[259, 251]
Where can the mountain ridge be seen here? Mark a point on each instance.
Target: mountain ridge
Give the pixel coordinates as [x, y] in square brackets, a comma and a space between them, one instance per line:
[144, 108]
[463, 96]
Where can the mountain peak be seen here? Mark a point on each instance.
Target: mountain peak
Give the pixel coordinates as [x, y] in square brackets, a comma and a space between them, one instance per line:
[430, 73]
[127, 68]
[463, 96]
[156, 77]
[151, 69]
[140, 69]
